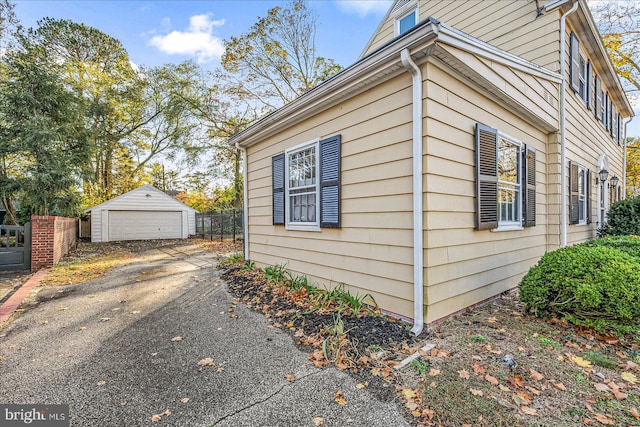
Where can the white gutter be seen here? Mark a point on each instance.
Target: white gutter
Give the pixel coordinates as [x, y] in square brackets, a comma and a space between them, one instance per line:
[418, 261]
[624, 160]
[563, 125]
[245, 203]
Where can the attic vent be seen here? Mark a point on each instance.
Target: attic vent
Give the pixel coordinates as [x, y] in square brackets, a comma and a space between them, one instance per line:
[400, 4]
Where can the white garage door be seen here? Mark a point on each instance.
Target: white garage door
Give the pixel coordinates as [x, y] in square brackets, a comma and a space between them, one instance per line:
[145, 225]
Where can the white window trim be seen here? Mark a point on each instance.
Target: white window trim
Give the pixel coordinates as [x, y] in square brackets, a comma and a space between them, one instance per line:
[515, 225]
[585, 188]
[403, 13]
[583, 77]
[302, 226]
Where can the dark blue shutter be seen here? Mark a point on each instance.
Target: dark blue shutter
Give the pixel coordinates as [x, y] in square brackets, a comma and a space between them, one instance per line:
[529, 186]
[574, 194]
[486, 177]
[277, 180]
[330, 182]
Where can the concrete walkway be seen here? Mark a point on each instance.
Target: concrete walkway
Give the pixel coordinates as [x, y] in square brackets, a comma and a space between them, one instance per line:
[109, 349]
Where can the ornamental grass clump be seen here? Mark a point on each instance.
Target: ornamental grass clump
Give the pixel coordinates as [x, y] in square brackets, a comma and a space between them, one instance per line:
[593, 286]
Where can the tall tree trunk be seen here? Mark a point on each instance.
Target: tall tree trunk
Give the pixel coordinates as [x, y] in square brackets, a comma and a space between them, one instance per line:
[11, 211]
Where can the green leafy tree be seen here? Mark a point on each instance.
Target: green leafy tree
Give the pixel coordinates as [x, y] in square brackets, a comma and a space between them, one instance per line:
[633, 166]
[42, 129]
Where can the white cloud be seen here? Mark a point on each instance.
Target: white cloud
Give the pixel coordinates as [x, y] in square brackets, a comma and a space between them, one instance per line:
[197, 40]
[364, 7]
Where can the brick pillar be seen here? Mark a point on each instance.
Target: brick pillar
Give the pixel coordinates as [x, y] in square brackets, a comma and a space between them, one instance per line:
[42, 241]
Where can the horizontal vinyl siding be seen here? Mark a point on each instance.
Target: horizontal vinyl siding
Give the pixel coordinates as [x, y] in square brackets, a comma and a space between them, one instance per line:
[465, 266]
[510, 25]
[587, 139]
[372, 252]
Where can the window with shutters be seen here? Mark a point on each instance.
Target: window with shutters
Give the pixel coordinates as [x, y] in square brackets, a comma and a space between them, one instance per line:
[306, 185]
[509, 154]
[301, 186]
[505, 182]
[579, 202]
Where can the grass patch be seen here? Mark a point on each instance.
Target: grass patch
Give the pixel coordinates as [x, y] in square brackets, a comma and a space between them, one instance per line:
[599, 359]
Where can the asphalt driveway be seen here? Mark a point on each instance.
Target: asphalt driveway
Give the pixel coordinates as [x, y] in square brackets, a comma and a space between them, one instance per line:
[126, 347]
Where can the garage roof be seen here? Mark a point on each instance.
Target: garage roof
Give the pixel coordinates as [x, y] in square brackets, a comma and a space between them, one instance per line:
[145, 198]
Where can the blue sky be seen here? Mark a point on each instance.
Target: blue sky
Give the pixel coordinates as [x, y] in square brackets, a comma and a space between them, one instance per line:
[157, 32]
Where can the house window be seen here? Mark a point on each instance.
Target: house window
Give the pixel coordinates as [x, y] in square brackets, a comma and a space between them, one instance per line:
[306, 185]
[302, 186]
[407, 20]
[579, 199]
[505, 182]
[509, 153]
[583, 77]
[597, 108]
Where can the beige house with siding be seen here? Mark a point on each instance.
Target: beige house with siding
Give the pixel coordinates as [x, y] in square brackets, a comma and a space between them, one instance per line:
[465, 143]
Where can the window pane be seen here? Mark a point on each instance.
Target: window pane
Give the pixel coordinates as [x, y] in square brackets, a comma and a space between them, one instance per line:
[508, 162]
[408, 22]
[302, 207]
[302, 168]
[509, 208]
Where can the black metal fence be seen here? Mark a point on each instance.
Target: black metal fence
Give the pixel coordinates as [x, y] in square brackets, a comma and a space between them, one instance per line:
[220, 225]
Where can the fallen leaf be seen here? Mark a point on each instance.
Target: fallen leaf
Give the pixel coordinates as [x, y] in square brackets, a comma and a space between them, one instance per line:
[492, 380]
[360, 386]
[184, 400]
[619, 395]
[634, 412]
[476, 357]
[535, 375]
[206, 362]
[492, 320]
[155, 418]
[341, 366]
[318, 421]
[428, 413]
[580, 361]
[528, 411]
[174, 339]
[573, 345]
[339, 398]
[105, 319]
[476, 392]
[439, 352]
[521, 398]
[409, 393]
[630, 366]
[503, 387]
[135, 312]
[220, 369]
[433, 372]
[533, 390]
[478, 369]
[167, 412]
[604, 420]
[463, 374]
[629, 377]
[81, 328]
[559, 386]
[290, 377]
[411, 405]
[101, 382]
[602, 387]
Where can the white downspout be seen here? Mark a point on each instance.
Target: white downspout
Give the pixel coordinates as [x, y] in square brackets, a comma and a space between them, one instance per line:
[245, 203]
[624, 161]
[418, 261]
[563, 124]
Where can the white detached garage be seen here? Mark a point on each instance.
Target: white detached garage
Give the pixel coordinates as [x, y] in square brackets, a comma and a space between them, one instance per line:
[145, 213]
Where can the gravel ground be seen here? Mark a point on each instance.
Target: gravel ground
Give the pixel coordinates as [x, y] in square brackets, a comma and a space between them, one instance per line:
[109, 349]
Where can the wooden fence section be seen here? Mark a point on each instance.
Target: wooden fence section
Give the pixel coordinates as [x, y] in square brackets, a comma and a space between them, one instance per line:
[220, 225]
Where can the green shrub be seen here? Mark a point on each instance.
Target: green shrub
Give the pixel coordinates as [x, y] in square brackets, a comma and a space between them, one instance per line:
[623, 219]
[593, 286]
[627, 244]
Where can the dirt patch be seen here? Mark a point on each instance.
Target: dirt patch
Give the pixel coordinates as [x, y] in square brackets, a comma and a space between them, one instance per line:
[494, 365]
